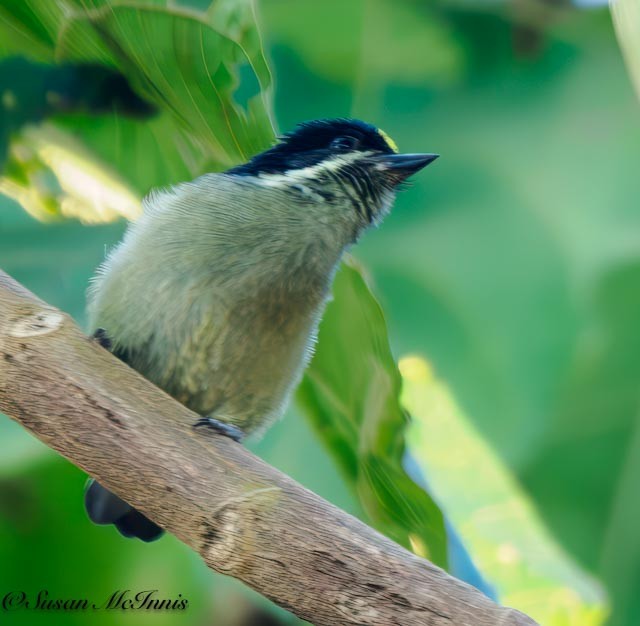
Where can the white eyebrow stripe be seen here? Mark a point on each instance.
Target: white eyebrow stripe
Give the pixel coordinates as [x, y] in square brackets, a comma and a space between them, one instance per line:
[293, 176]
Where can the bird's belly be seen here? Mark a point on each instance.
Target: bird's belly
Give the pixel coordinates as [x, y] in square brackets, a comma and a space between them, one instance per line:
[245, 374]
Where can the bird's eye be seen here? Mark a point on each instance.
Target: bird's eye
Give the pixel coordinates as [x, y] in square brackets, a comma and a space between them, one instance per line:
[344, 143]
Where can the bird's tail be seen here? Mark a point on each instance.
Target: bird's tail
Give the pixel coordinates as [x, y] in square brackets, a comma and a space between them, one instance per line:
[104, 507]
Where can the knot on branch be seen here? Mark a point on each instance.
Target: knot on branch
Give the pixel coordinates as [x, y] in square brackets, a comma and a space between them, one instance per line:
[234, 529]
[34, 322]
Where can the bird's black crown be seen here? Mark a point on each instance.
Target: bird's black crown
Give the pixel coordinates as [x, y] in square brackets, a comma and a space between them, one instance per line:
[312, 142]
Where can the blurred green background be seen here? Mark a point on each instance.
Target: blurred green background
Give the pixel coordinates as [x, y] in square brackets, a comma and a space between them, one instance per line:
[512, 266]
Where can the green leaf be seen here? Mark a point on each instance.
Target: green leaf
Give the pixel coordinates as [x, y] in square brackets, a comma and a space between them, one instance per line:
[351, 394]
[147, 154]
[29, 27]
[180, 61]
[492, 513]
[205, 72]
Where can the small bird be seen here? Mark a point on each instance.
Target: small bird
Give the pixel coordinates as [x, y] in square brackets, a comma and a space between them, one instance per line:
[215, 294]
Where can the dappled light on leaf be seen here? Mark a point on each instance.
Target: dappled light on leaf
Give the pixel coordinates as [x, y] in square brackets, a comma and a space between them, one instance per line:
[53, 176]
[490, 510]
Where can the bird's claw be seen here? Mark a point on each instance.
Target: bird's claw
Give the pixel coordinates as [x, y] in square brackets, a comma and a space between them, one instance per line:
[100, 335]
[222, 428]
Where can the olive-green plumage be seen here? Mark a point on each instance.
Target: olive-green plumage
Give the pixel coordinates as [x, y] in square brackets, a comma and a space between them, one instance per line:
[216, 292]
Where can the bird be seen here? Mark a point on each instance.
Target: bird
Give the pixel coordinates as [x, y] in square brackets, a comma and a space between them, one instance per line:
[216, 292]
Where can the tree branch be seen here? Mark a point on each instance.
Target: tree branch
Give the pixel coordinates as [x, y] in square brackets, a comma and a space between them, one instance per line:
[245, 518]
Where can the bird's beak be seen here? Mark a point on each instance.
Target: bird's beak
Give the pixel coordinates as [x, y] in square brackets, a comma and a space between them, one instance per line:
[401, 166]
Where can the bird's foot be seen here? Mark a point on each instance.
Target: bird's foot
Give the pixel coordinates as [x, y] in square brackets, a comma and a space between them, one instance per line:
[222, 428]
[101, 337]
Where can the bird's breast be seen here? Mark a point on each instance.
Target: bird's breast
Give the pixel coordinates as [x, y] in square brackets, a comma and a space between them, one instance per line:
[243, 350]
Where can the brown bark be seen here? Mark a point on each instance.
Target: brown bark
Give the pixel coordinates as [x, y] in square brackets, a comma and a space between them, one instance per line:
[245, 518]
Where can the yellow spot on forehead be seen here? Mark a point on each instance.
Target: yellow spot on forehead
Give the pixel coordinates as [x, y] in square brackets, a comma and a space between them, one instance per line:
[390, 142]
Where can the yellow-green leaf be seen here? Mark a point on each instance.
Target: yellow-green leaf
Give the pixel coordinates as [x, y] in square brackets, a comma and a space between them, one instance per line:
[493, 515]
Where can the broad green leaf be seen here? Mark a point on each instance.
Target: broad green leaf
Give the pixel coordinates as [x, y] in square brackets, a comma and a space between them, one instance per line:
[351, 394]
[188, 68]
[492, 513]
[237, 20]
